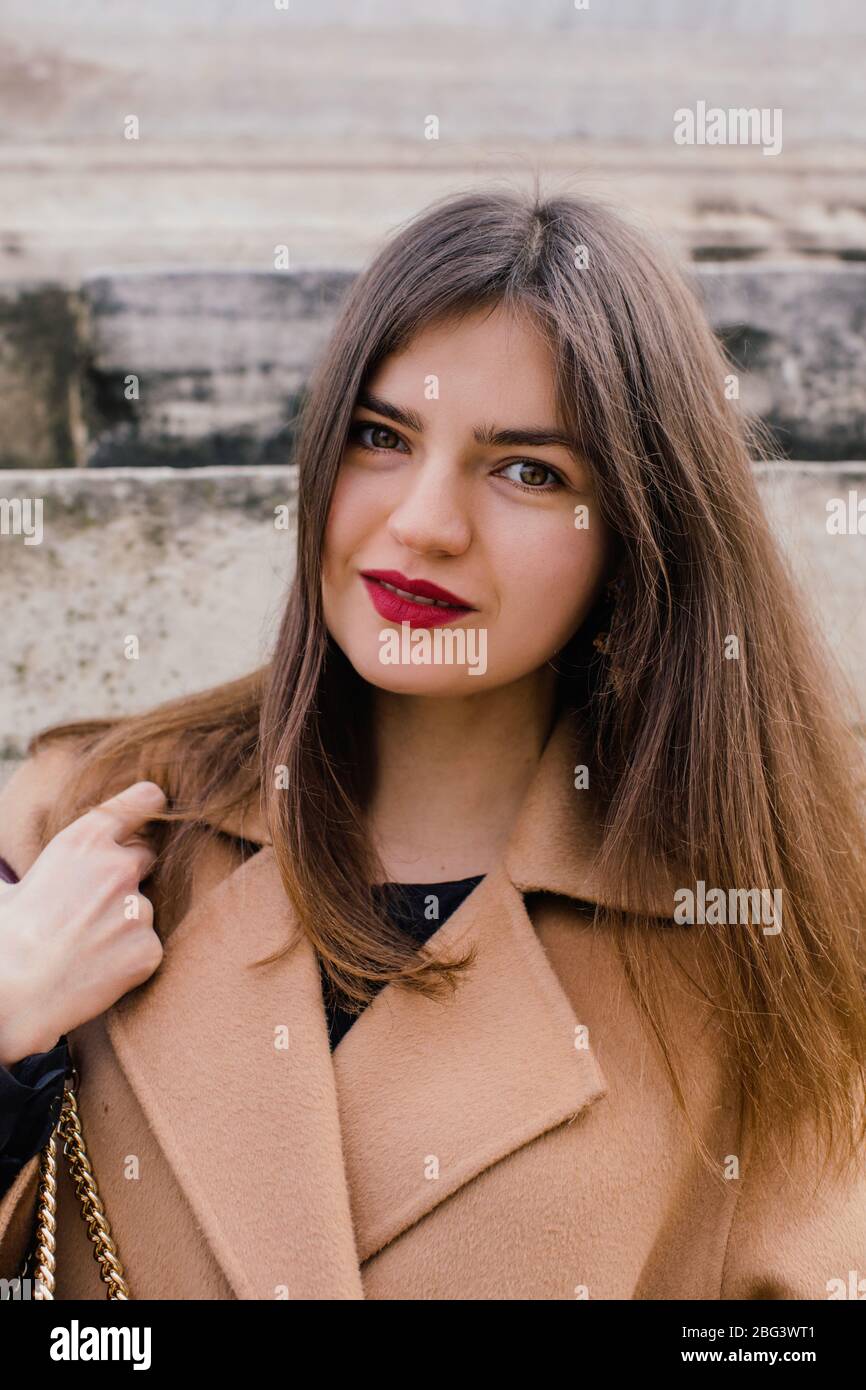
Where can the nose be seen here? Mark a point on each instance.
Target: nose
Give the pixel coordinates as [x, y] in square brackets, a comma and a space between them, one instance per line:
[432, 515]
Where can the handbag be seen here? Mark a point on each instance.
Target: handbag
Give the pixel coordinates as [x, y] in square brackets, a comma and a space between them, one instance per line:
[40, 1260]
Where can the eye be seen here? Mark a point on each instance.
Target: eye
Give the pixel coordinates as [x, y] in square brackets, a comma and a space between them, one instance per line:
[532, 475]
[379, 439]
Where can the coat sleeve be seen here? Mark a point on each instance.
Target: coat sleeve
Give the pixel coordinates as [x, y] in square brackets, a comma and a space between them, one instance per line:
[31, 1092]
[798, 1230]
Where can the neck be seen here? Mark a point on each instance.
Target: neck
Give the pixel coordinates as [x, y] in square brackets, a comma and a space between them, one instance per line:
[451, 775]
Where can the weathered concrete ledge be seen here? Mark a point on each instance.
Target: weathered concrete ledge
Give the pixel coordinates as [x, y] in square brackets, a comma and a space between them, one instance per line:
[195, 564]
[203, 368]
[798, 338]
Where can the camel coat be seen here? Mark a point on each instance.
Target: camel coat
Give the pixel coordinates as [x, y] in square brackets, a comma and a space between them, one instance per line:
[515, 1141]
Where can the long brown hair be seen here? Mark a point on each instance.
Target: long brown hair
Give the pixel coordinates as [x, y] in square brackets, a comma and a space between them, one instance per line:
[740, 770]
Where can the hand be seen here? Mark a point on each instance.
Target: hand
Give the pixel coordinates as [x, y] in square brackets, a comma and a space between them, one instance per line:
[69, 944]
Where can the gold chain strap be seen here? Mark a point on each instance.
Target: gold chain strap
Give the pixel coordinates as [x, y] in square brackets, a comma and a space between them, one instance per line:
[68, 1127]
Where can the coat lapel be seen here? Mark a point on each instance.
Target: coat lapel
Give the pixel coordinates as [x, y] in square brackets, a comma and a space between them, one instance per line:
[251, 1130]
[433, 1092]
[301, 1164]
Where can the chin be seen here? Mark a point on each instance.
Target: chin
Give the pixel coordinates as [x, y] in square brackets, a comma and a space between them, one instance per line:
[441, 681]
[439, 661]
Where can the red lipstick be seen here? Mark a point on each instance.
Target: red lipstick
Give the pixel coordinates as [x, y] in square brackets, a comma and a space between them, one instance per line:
[441, 605]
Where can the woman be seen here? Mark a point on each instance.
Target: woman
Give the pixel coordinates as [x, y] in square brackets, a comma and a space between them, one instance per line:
[542, 663]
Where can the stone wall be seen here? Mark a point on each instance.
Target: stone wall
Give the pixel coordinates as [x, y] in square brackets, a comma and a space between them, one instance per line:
[152, 362]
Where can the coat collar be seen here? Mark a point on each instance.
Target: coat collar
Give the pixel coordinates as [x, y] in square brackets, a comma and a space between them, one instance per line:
[555, 840]
[300, 1164]
[558, 835]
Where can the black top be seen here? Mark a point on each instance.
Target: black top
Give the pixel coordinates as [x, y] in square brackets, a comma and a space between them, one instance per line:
[31, 1090]
[416, 908]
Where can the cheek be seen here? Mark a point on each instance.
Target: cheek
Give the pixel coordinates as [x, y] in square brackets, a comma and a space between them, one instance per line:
[347, 521]
[551, 582]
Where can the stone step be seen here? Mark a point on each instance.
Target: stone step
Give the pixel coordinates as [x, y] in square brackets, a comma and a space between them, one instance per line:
[308, 125]
[222, 358]
[223, 203]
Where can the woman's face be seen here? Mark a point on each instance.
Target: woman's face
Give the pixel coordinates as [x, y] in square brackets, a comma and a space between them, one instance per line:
[449, 482]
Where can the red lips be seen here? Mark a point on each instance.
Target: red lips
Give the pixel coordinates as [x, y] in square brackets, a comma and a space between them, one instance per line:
[422, 587]
[395, 608]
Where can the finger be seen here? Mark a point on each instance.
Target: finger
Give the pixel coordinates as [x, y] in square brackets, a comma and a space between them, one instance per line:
[129, 809]
[143, 854]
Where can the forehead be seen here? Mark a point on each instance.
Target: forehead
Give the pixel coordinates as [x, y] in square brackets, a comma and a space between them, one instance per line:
[490, 363]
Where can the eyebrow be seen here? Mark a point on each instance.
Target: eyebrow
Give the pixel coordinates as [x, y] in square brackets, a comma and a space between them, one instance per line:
[482, 434]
